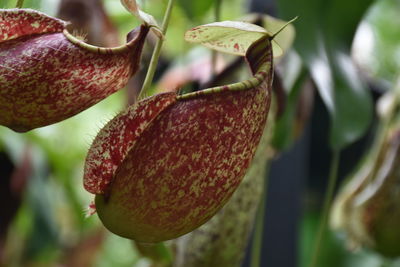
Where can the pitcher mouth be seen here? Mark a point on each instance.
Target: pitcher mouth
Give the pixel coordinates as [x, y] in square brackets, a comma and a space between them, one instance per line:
[132, 37]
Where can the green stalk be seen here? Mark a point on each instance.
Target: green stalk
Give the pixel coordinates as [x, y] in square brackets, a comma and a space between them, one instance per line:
[19, 4]
[256, 248]
[156, 53]
[326, 208]
[217, 13]
[214, 54]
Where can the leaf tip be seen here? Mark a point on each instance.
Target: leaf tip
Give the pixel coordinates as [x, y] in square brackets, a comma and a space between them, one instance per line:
[283, 27]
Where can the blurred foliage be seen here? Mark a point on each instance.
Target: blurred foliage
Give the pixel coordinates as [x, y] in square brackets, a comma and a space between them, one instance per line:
[50, 224]
[195, 9]
[377, 44]
[334, 253]
[324, 47]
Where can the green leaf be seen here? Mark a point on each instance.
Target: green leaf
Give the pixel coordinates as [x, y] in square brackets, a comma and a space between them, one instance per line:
[285, 38]
[232, 37]
[382, 25]
[195, 9]
[325, 31]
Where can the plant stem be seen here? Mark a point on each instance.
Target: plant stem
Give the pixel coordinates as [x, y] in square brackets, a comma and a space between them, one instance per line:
[19, 4]
[326, 208]
[217, 13]
[256, 248]
[214, 54]
[156, 53]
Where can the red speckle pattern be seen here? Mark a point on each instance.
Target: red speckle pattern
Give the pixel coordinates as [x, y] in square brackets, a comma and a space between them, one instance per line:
[190, 161]
[115, 140]
[15, 23]
[221, 41]
[187, 163]
[44, 78]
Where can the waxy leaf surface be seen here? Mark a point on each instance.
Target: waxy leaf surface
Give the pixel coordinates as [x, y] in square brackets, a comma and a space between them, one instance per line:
[17, 23]
[187, 161]
[110, 147]
[51, 76]
[233, 37]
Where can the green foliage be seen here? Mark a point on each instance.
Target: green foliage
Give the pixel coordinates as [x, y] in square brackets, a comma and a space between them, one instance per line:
[231, 37]
[27, 3]
[284, 39]
[333, 253]
[284, 128]
[194, 10]
[381, 28]
[235, 37]
[51, 216]
[327, 29]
